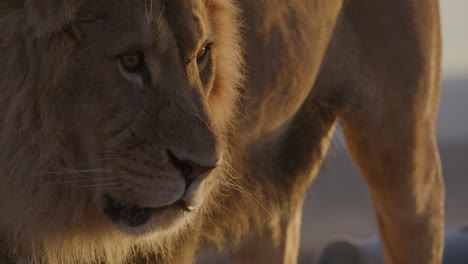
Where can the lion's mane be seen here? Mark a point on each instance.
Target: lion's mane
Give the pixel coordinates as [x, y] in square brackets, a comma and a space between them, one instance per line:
[44, 223]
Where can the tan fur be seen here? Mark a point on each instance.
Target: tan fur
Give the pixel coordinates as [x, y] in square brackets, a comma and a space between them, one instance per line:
[75, 126]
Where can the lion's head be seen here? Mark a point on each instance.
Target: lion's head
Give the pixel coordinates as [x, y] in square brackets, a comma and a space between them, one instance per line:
[113, 118]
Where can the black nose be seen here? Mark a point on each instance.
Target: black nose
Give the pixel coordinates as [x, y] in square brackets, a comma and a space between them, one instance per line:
[191, 170]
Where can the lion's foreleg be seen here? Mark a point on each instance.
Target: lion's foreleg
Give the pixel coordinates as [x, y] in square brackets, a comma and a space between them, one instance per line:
[277, 243]
[294, 157]
[394, 146]
[390, 124]
[403, 172]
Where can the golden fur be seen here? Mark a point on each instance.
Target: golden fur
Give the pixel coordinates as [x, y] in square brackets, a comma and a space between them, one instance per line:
[76, 127]
[45, 102]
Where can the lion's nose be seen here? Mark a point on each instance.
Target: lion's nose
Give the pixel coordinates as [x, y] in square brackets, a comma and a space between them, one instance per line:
[191, 170]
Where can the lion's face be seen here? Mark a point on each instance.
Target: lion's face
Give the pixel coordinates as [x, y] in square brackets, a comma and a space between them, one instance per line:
[147, 79]
[146, 107]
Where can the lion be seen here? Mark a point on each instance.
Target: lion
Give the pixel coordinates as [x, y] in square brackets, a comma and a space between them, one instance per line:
[142, 131]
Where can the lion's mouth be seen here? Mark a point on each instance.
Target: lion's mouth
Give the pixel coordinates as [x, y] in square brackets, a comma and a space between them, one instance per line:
[134, 216]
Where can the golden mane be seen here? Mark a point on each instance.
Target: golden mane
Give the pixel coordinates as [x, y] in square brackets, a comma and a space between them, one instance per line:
[36, 53]
[138, 103]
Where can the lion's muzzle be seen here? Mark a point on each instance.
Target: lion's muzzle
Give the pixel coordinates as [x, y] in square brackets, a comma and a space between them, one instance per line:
[127, 213]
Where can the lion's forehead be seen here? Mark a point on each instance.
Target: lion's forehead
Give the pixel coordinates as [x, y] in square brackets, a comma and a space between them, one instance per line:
[189, 22]
[154, 22]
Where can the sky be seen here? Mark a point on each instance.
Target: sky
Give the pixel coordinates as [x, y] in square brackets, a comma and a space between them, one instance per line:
[454, 15]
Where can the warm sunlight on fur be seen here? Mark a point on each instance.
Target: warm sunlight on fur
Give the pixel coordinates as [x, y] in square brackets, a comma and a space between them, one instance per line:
[81, 120]
[143, 131]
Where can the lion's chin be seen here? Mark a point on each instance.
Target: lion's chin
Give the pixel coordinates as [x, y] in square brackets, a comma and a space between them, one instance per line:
[135, 220]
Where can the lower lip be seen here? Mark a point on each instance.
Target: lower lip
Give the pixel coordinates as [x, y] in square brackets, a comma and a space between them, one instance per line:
[133, 217]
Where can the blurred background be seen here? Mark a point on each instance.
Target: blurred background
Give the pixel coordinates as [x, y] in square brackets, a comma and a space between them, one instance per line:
[338, 205]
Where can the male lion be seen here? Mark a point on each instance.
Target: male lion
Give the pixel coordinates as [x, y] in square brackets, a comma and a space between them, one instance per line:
[125, 135]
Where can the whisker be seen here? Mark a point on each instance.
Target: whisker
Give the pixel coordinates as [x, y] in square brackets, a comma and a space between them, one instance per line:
[78, 181]
[146, 11]
[98, 160]
[92, 185]
[246, 194]
[230, 183]
[113, 189]
[160, 15]
[109, 149]
[101, 184]
[90, 170]
[77, 172]
[128, 206]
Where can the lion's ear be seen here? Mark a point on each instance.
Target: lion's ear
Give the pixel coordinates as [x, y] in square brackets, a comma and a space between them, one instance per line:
[47, 16]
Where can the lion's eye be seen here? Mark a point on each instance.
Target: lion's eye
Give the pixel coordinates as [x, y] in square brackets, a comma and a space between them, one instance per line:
[203, 57]
[132, 62]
